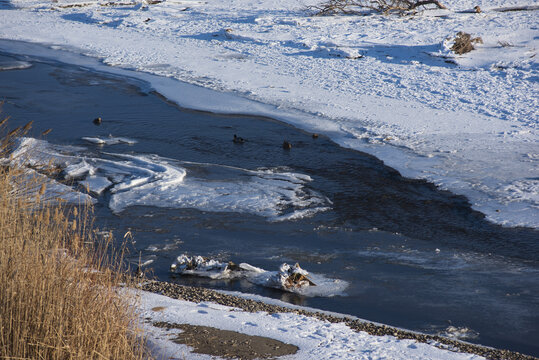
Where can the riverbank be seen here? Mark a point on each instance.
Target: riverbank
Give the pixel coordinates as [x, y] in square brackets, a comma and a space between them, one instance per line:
[264, 309]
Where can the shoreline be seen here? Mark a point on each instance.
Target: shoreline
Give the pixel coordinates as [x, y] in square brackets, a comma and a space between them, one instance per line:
[197, 295]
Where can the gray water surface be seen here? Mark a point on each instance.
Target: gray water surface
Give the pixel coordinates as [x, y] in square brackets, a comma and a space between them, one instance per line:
[415, 256]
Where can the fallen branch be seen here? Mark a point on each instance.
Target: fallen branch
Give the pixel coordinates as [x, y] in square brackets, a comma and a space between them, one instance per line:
[517, 8]
[332, 7]
[416, 4]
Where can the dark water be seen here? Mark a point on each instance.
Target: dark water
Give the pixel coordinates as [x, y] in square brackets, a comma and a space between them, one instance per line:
[415, 256]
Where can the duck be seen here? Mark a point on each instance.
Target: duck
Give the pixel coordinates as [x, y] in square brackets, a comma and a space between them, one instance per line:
[287, 145]
[315, 136]
[238, 140]
[97, 121]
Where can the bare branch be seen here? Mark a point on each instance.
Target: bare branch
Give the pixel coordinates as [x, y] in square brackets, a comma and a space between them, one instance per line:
[427, 2]
[332, 7]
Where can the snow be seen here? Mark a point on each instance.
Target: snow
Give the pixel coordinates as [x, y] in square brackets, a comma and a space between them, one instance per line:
[385, 85]
[315, 338]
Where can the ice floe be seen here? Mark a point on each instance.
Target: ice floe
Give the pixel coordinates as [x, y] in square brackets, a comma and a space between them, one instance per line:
[150, 180]
[290, 278]
[14, 65]
[111, 140]
[460, 333]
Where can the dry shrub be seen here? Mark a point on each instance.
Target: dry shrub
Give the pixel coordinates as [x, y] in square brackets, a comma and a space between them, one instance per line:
[59, 297]
[464, 43]
[332, 7]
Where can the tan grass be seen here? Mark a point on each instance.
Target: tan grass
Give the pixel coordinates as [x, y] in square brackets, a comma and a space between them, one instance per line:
[59, 294]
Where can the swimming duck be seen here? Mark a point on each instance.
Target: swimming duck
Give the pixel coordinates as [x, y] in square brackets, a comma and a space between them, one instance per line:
[97, 121]
[315, 136]
[287, 145]
[238, 140]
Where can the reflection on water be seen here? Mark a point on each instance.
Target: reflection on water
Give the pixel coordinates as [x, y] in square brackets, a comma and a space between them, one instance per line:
[414, 256]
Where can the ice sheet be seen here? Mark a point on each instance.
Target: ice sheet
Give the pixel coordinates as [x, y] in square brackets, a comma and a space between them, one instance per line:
[151, 180]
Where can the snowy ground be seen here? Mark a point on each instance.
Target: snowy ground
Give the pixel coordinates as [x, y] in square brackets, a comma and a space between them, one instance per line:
[316, 339]
[380, 84]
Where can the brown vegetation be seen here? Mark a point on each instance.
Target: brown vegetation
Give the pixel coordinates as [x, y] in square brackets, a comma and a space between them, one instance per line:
[464, 43]
[59, 297]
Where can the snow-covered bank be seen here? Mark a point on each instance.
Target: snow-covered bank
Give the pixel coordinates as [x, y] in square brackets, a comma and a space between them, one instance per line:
[470, 128]
[315, 338]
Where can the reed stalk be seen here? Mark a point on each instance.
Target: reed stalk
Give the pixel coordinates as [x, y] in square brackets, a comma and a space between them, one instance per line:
[59, 281]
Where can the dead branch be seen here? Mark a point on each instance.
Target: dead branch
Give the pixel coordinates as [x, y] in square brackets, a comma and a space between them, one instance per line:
[517, 8]
[426, 2]
[332, 7]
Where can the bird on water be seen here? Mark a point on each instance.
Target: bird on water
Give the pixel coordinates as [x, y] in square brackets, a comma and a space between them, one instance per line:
[238, 140]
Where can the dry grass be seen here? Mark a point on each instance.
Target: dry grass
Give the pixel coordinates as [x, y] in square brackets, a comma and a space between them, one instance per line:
[59, 295]
[464, 43]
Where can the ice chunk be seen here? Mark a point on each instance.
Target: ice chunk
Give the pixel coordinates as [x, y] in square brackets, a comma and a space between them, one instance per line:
[78, 170]
[290, 278]
[111, 140]
[96, 184]
[14, 65]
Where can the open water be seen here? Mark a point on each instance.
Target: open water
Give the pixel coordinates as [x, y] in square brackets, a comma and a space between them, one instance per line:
[413, 256]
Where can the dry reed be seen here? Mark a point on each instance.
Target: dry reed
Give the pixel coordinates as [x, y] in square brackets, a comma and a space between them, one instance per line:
[59, 294]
